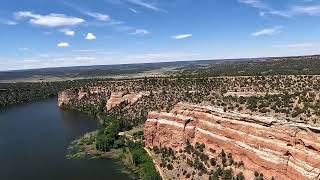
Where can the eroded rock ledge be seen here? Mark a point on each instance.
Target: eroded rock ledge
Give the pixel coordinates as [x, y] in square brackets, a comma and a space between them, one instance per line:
[277, 149]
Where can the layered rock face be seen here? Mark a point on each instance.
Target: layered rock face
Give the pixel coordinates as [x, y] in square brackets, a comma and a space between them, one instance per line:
[278, 149]
[112, 98]
[64, 97]
[119, 97]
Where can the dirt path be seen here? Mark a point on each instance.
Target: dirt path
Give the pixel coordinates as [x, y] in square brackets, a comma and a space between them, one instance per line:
[156, 164]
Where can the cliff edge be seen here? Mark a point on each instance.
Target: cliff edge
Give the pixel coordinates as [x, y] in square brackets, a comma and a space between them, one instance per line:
[278, 149]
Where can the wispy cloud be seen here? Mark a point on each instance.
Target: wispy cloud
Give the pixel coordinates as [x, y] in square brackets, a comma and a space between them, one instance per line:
[8, 22]
[113, 22]
[139, 3]
[50, 20]
[140, 32]
[23, 49]
[84, 59]
[146, 5]
[95, 51]
[254, 3]
[182, 36]
[312, 10]
[63, 44]
[268, 31]
[133, 10]
[295, 45]
[98, 16]
[161, 57]
[68, 32]
[306, 7]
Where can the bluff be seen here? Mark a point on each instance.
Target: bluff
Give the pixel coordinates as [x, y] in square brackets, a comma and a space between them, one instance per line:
[277, 148]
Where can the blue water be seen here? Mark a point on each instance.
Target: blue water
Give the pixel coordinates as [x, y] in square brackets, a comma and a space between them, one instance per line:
[33, 144]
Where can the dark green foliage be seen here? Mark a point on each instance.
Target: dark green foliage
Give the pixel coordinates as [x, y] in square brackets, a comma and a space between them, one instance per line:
[107, 136]
[142, 160]
[119, 143]
[138, 134]
[188, 148]
[240, 164]
[213, 161]
[227, 175]
[240, 176]
[259, 177]
[170, 167]
[272, 66]
[216, 174]
[156, 150]
[14, 93]
[148, 172]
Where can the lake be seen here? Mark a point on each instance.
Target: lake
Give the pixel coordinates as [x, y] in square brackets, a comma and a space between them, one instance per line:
[33, 144]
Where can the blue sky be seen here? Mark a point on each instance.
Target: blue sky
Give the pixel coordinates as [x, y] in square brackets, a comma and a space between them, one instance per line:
[46, 33]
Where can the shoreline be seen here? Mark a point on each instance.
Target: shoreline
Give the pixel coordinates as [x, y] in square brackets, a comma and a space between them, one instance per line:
[79, 149]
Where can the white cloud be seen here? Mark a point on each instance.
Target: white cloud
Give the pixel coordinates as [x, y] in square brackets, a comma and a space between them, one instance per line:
[90, 36]
[113, 22]
[86, 50]
[63, 44]
[141, 32]
[290, 11]
[51, 20]
[8, 22]
[160, 57]
[44, 55]
[96, 15]
[268, 32]
[99, 16]
[95, 51]
[68, 32]
[280, 13]
[146, 5]
[24, 49]
[182, 36]
[11, 23]
[253, 3]
[297, 45]
[312, 10]
[84, 58]
[133, 10]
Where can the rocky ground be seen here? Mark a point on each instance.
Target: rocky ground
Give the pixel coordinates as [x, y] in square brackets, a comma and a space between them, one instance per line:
[281, 150]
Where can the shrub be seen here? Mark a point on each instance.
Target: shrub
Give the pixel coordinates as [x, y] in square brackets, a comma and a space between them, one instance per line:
[240, 176]
[170, 167]
[227, 175]
[213, 162]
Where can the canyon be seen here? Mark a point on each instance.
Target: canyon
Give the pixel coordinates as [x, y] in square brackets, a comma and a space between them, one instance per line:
[278, 149]
[214, 112]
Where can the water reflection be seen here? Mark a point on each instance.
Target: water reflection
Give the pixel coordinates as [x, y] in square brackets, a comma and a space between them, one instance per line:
[33, 142]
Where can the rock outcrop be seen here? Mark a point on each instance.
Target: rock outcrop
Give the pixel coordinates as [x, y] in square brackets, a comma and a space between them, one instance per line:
[282, 150]
[64, 97]
[118, 97]
[112, 100]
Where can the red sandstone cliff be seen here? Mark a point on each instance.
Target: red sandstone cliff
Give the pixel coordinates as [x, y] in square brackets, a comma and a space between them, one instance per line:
[277, 149]
[116, 98]
[119, 97]
[64, 97]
